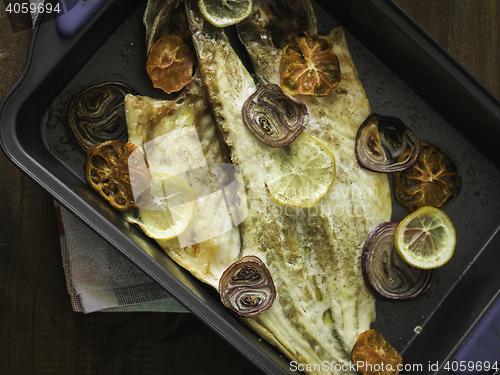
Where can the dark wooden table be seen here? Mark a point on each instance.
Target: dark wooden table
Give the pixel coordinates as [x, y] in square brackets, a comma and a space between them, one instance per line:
[39, 332]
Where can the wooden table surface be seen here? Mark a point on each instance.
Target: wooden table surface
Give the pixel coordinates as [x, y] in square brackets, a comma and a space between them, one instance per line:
[39, 332]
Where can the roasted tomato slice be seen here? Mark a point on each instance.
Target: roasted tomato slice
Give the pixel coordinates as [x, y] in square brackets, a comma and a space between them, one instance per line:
[170, 64]
[309, 66]
[374, 355]
[110, 166]
[431, 181]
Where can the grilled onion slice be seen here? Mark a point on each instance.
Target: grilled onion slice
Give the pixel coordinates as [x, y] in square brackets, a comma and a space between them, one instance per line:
[247, 287]
[274, 117]
[97, 114]
[385, 273]
[385, 144]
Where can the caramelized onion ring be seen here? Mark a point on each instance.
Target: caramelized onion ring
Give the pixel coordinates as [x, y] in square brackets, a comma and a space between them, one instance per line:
[385, 144]
[247, 287]
[97, 114]
[385, 273]
[274, 117]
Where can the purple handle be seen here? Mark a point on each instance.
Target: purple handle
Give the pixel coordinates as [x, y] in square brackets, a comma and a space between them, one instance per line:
[482, 347]
[75, 15]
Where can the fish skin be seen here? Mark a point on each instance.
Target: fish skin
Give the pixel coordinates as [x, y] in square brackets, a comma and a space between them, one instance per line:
[269, 28]
[160, 19]
[334, 120]
[276, 22]
[315, 261]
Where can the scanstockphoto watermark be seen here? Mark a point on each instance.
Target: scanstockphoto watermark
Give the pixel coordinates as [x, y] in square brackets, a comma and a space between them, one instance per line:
[355, 367]
[341, 203]
[177, 178]
[323, 366]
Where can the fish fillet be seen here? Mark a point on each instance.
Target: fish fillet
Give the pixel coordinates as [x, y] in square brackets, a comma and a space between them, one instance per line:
[313, 254]
[187, 122]
[359, 200]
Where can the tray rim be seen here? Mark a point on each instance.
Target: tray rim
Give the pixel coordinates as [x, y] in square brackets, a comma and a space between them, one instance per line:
[64, 195]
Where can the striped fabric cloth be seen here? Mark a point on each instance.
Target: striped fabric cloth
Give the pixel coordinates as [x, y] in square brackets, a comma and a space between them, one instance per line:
[99, 278]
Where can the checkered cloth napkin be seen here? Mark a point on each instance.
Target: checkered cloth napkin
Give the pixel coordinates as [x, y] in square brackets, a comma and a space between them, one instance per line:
[97, 276]
[101, 279]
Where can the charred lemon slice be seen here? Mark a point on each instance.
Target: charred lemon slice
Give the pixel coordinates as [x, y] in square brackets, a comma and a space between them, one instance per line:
[431, 181]
[222, 13]
[374, 355]
[170, 64]
[169, 209]
[301, 173]
[309, 66]
[426, 238]
[108, 172]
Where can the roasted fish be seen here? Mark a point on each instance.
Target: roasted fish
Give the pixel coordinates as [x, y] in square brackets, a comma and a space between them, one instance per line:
[358, 200]
[313, 254]
[179, 137]
[322, 304]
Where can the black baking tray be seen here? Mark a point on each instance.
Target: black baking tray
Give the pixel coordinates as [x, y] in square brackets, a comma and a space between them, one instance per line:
[405, 74]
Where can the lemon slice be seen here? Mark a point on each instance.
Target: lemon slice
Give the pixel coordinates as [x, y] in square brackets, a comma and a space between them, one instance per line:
[222, 13]
[301, 173]
[426, 238]
[168, 211]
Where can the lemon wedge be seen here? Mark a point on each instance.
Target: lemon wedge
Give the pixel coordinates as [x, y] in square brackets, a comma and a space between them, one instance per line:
[222, 13]
[301, 173]
[426, 238]
[169, 209]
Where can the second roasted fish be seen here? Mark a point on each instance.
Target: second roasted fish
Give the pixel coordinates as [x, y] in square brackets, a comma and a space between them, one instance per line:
[322, 304]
